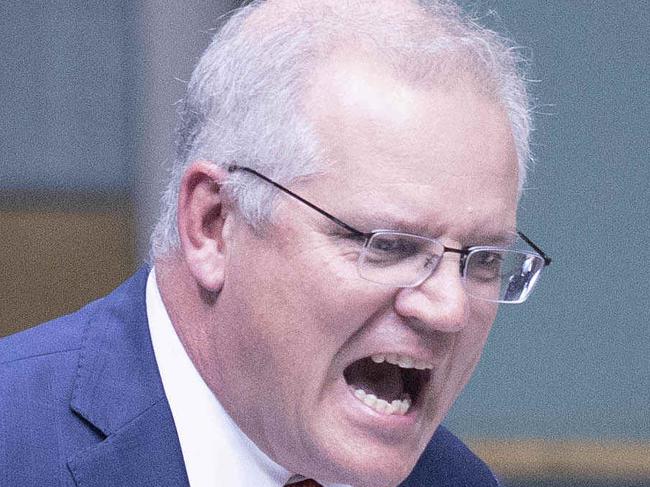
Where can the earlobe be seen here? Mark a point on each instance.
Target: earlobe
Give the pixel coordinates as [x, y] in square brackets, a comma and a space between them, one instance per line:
[202, 215]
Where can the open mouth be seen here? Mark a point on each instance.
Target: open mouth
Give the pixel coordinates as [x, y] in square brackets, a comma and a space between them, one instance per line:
[388, 383]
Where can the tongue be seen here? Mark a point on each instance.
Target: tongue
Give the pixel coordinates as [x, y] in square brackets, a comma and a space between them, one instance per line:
[383, 380]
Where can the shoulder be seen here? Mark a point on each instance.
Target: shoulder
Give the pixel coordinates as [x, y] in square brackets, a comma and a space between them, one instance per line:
[44, 346]
[61, 335]
[39, 364]
[448, 461]
[65, 335]
[41, 370]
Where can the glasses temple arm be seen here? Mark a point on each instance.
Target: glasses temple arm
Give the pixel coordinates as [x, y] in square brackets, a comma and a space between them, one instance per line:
[547, 259]
[234, 167]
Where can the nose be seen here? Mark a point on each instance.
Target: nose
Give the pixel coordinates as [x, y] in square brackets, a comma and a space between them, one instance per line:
[440, 302]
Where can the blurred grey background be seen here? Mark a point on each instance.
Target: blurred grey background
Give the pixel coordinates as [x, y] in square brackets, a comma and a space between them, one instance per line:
[88, 92]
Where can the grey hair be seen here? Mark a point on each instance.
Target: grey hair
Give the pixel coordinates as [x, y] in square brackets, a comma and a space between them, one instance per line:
[244, 102]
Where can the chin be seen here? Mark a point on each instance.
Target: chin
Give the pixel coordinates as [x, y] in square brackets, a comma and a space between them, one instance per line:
[364, 463]
[371, 472]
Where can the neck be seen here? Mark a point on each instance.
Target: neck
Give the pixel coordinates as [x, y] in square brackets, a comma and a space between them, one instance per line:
[190, 308]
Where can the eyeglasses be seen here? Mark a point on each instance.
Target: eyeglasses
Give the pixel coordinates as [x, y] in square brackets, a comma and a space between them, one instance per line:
[391, 258]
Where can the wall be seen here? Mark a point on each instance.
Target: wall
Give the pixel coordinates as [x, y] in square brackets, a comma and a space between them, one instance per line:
[66, 178]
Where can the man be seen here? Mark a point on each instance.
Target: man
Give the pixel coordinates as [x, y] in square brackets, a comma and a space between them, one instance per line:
[336, 237]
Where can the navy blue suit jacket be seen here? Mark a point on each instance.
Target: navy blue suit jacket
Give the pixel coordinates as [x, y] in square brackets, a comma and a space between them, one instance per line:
[82, 404]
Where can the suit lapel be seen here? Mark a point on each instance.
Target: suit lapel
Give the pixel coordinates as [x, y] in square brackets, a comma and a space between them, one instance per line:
[119, 392]
[145, 453]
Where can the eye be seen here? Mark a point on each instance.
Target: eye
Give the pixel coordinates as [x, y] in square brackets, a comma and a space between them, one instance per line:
[485, 265]
[389, 249]
[401, 247]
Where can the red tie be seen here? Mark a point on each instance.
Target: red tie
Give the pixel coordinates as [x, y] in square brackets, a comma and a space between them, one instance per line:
[305, 483]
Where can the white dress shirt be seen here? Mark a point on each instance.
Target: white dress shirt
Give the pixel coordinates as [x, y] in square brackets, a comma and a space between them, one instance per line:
[215, 450]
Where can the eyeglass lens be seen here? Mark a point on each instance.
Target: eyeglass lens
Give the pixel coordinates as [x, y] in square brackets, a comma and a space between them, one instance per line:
[492, 274]
[505, 276]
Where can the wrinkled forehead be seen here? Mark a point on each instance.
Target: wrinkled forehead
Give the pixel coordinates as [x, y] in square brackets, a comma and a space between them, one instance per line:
[439, 153]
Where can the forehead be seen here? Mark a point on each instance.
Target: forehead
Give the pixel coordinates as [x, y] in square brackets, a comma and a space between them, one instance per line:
[440, 156]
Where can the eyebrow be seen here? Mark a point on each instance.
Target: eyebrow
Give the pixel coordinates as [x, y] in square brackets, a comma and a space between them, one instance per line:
[506, 239]
[374, 219]
[370, 220]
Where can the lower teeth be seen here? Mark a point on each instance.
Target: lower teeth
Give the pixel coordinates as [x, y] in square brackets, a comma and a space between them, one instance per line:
[382, 406]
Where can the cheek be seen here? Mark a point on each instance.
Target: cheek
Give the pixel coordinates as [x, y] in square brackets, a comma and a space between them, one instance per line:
[482, 318]
[466, 352]
[472, 339]
[314, 289]
[298, 306]
[289, 309]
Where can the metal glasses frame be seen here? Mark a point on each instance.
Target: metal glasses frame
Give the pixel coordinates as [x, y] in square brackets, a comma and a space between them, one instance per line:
[464, 252]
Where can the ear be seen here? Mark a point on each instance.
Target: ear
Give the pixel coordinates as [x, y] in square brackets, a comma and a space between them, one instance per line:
[202, 223]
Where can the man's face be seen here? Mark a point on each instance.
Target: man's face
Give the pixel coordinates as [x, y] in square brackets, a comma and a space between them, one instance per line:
[303, 326]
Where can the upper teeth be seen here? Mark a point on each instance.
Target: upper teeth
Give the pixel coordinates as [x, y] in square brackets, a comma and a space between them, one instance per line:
[403, 361]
